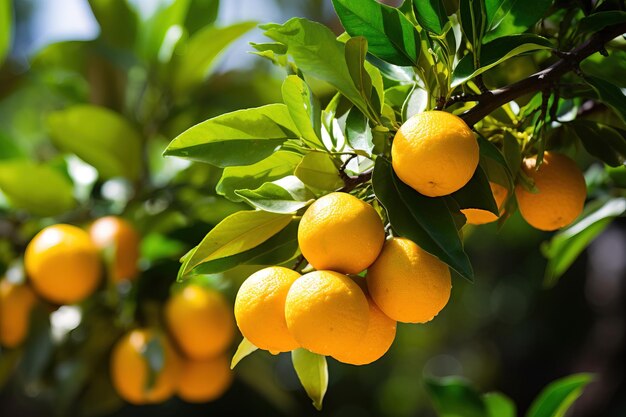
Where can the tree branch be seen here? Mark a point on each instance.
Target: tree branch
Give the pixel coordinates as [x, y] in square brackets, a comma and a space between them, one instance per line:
[491, 100]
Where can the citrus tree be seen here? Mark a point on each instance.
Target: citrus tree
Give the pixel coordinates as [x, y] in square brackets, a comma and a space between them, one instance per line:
[314, 224]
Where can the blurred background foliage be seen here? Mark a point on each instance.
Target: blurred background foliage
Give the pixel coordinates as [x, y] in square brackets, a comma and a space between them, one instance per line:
[136, 61]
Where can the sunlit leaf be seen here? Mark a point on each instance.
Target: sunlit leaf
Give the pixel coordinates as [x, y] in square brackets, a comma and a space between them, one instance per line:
[304, 109]
[507, 17]
[286, 195]
[317, 170]
[312, 372]
[6, 28]
[559, 396]
[499, 405]
[244, 349]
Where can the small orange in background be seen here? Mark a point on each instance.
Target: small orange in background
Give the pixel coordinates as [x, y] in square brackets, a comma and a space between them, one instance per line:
[63, 264]
[118, 234]
[260, 309]
[16, 304]
[204, 381]
[200, 321]
[561, 192]
[479, 216]
[131, 372]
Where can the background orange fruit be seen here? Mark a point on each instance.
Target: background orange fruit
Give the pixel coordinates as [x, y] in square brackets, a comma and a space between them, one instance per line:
[118, 234]
[203, 381]
[16, 304]
[478, 216]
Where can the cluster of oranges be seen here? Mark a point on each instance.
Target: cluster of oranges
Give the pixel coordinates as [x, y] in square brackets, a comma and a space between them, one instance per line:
[64, 266]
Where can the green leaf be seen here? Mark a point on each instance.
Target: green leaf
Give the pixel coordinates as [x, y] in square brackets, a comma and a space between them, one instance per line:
[424, 220]
[249, 177]
[499, 405]
[118, 21]
[39, 189]
[358, 131]
[304, 109]
[201, 13]
[601, 141]
[431, 15]
[280, 248]
[567, 244]
[162, 30]
[609, 94]
[6, 28]
[507, 17]
[317, 52]
[494, 163]
[600, 20]
[557, 397]
[318, 170]
[200, 53]
[390, 35]
[512, 153]
[455, 397]
[244, 349]
[100, 137]
[476, 193]
[286, 195]
[237, 233]
[242, 137]
[495, 52]
[312, 372]
[473, 21]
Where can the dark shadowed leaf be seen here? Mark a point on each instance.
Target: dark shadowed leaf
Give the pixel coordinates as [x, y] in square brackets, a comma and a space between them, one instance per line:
[476, 193]
[390, 35]
[506, 17]
[473, 20]
[600, 140]
[609, 94]
[431, 15]
[242, 137]
[455, 397]
[426, 221]
[600, 20]
[312, 372]
[200, 14]
[558, 397]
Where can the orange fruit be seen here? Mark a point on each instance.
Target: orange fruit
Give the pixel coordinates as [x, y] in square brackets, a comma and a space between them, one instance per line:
[378, 338]
[326, 311]
[342, 233]
[131, 372]
[407, 283]
[200, 321]
[260, 309]
[16, 304]
[561, 192]
[435, 153]
[203, 381]
[119, 235]
[478, 216]
[63, 264]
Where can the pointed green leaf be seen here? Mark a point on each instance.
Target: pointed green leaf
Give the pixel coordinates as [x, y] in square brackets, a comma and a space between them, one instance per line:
[601, 141]
[358, 131]
[38, 189]
[237, 233]
[499, 405]
[244, 349]
[278, 165]
[165, 22]
[600, 20]
[390, 35]
[507, 17]
[100, 137]
[609, 94]
[473, 21]
[476, 193]
[426, 221]
[317, 170]
[431, 15]
[200, 14]
[304, 109]
[286, 195]
[117, 20]
[558, 397]
[455, 397]
[495, 52]
[312, 372]
[241, 137]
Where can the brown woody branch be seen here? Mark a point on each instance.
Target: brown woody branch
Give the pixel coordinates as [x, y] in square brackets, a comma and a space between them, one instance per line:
[569, 61]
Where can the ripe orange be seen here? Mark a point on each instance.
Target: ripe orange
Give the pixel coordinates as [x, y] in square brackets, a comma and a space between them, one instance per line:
[200, 320]
[478, 216]
[260, 309]
[203, 381]
[63, 264]
[561, 196]
[435, 153]
[130, 367]
[326, 311]
[339, 232]
[407, 283]
[119, 235]
[16, 304]
[377, 340]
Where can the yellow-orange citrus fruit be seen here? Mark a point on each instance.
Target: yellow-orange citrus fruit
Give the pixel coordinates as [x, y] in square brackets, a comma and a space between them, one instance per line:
[478, 216]
[561, 192]
[118, 234]
[16, 304]
[203, 381]
[131, 373]
[200, 320]
[63, 264]
[407, 283]
[435, 153]
[326, 311]
[342, 233]
[378, 338]
[260, 309]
